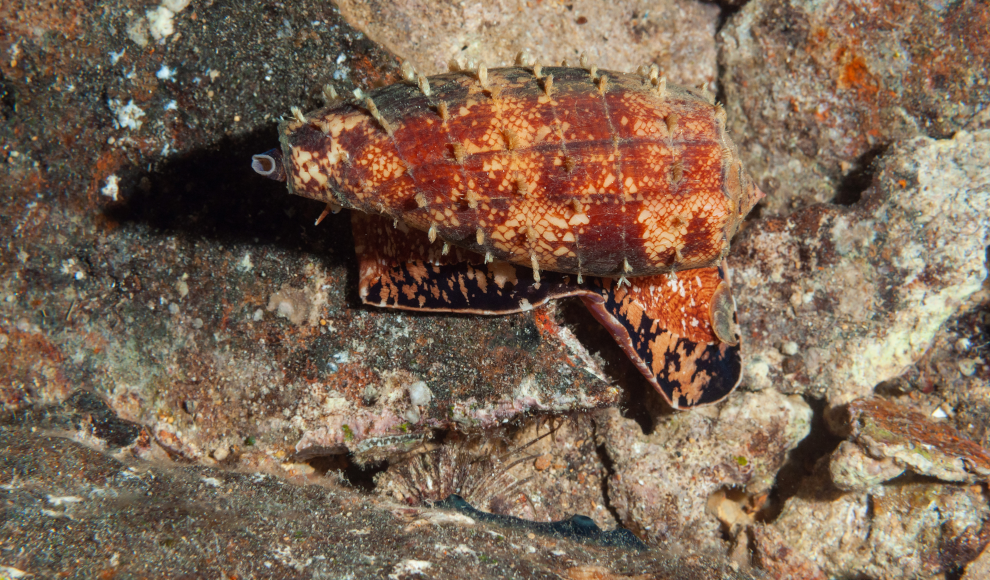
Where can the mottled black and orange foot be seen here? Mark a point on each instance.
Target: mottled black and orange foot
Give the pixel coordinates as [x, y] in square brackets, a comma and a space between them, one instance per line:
[679, 330]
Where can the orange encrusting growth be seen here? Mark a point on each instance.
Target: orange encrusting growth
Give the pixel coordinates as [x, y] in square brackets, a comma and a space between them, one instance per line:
[631, 181]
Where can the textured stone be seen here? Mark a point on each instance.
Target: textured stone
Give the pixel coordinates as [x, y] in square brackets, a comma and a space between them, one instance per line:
[979, 568]
[816, 89]
[662, 481]
[913, 530]
[937, 385]
[677, 35]
[862, 290]
[71, 511]
[853, 470]
[899, 438]
[773, 555]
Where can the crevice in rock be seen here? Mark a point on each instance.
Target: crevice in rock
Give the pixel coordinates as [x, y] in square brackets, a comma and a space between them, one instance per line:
[640, 401]
[363, 476]
[800, 463]
[359, 476]
[324, 464]
[728, 10]
[956, 573]
[609, 466]
[853, 184]
[755, 214]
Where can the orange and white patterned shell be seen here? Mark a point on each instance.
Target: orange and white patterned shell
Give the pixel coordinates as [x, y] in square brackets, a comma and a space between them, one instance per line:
[570, 170]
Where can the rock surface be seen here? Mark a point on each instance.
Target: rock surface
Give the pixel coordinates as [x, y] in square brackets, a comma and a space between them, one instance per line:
[77, 512]
[911, 530]
[815, 91]
[910, 440]
[852, 469]
[773, 555]
[661, 482]
[836, 300]
[676, 35]
[978, 568]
